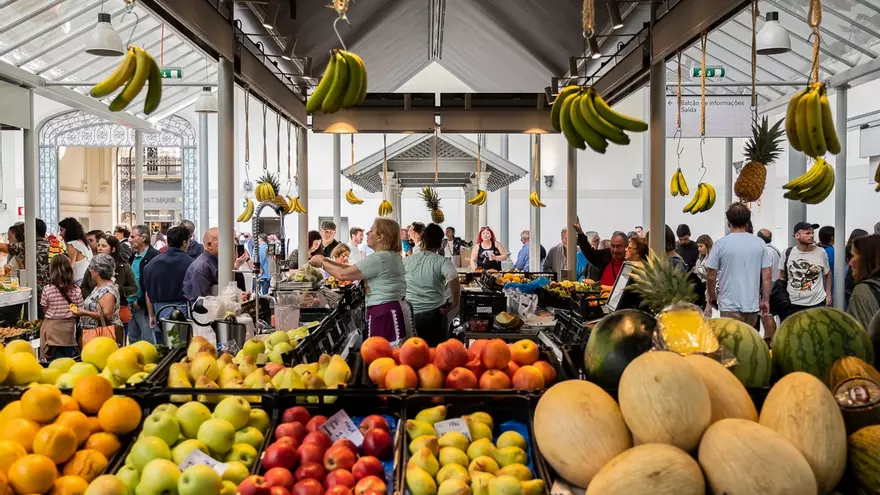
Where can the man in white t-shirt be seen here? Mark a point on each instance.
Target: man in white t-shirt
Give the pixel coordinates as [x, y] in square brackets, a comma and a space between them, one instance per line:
[807, 271]
[354, 244]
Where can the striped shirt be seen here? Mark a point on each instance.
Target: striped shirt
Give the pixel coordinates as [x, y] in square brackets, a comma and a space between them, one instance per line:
[57, 308]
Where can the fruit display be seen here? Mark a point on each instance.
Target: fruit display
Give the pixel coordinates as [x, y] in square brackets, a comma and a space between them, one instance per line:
[703, 200]
[616, 340]
[479, 198]
[343, 85]
[863, 456]
[352, 199]
[136, 69]
[432, 202]
[584, 118]
[727, 395]
[267, 187]
[745, 344]
[535, 200]
[761, 150]
[508, 321]
[487, 365]
[633, 472]
[479, 457]
[849, 367]
[385, 208]
[809, 125]
[51, 442]
[678, 185]
[814, 186]
[233, 433]
[21, 327]
[295, 206]
[248, 212]
[566, 288]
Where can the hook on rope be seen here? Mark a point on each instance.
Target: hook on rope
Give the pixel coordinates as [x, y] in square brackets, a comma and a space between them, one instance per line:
[129, 10]
[678, 149]
[336, 30]
[702, 160]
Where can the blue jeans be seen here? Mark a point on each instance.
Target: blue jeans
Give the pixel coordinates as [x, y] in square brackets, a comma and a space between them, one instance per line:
[263, 286]
[139, 327]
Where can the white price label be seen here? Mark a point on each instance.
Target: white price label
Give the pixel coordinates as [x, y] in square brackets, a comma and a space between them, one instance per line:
[562, 488]
[454, 424]
[199, 457]
[484, 310]
[340, 425]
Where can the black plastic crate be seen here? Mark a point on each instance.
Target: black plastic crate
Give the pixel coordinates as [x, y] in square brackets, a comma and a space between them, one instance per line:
[588, 305]
[569, 330]
[482, 305]
[549, 299]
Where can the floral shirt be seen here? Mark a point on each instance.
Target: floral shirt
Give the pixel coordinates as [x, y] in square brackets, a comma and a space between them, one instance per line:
[17, 250]
[91, 304]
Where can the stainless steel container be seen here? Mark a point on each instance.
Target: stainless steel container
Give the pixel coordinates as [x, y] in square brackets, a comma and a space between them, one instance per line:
[230, 332]
[176, 333]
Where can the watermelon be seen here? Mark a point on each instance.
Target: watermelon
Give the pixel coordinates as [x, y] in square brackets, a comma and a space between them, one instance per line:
[863, 453]
[849, 367]
[615, 341]
[813, 339]
[744, 343]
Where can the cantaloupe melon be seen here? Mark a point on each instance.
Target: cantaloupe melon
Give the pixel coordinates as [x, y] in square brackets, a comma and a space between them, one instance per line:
[801, 409]
[654, 468]
[741, 457]
[663, 400]
[727, 394]
[579, 428]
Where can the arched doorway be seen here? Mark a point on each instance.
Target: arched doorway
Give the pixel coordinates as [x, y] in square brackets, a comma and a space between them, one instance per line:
[77, 128]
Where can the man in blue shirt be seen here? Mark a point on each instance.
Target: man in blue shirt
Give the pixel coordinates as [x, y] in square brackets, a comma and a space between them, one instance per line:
[265, 275]
[140, 328]
[201, 277]
[163, 278]
[522, 258]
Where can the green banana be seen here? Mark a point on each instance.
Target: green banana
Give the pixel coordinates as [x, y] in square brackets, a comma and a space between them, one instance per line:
[801, 122]
[114, 81]
[557, 105]
[363, 69]
[135, 84]
[154, 91]
[590, 136]
[571, 135]
[315, 101]
[791, 120]
[355, 80]
[333, 101]
[828, 123]
[814, 125]
[600, 125]
[616, 119]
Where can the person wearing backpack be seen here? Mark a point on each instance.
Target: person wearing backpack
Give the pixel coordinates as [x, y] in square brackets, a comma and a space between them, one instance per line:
[865, 263]
[806, 272]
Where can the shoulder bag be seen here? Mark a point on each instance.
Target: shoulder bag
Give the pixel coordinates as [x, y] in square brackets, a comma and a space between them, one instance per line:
[105, 330]
[779, 298]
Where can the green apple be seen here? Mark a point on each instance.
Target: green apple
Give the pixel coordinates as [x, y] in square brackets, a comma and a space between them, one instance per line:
[130, 476]
[125, 362]
[162, 425]
[66, 380]
[253, 348]
[98, 350]
[249, 435]
[276, 338]
[229, 488]
[182, 450]
[243, 453]
[106, 373]
[62, 364]
[199, 479]
[259, 419]
[151, 355]
[159, 477]
[165, 408]
[218, 435]
[234, 409]
[236, 472]
[190, 416]
[276, 355]
[137, 378]
[129, 460]
[49, 375]
[148, 449]
[83, 369]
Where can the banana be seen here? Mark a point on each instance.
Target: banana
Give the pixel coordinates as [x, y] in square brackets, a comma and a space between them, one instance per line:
[115, 80]
[682, 184]
[154, 91]
[135, 84]
[315, 101]
[673, 184]
[814, 125]
[352, 199]
[565, 123]
[703, 195]
[535, 200]
[616, 119]
[801, 124]
[712, 196]
[355, 79]
[479, 199]
[297, 207]
[690, 206]
[385, 208]
[363, 70]
[791, 119]
[333, 101]
[599, 124]
[828, 123]
[248, 211]
[589, 135]
[810, 179]
[557, 105]
[820, 193]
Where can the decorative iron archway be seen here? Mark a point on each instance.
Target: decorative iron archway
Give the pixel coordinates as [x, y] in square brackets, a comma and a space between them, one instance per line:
[78, 128]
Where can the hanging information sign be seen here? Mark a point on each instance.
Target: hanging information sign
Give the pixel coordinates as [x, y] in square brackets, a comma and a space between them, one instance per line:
[726, 116]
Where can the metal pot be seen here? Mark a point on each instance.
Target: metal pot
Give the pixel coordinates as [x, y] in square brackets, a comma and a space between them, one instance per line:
[176, 333]
[229, 332]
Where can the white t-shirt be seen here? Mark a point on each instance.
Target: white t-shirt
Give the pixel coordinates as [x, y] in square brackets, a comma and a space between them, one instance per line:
[355, 254]
[739, 258]
[806, 276]
[80, 267]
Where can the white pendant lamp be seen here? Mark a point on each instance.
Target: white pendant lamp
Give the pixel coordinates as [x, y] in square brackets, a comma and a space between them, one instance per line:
[104, 41]
[207, 102]
[773, 39]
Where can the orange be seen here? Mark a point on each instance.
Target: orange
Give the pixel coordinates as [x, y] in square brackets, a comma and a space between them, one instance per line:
[9, 452]
[57, 442]
[103, 442]
[92, 392]
[69, 485]
[76, 421]
[94, 425]
[12, 410]
[69, 404]
[4, 483]
[41, 403]
[108, 484]
[32, 474]
[87, 464]
[120, 415]
[21, 431]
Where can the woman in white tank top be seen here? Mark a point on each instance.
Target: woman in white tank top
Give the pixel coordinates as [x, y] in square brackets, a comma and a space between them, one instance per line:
[77, 247]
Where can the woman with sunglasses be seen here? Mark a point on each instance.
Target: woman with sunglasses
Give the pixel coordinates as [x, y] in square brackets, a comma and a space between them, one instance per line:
[488, 253]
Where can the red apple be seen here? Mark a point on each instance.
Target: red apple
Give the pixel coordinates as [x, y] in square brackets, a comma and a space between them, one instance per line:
[347, 444]
[370, 484]
[318, 438]
[528, 378]
[547, 370]
[395, 355]
[339, 477]
[254, 485]
[315, 423]
[495, 355]
[296, 414]
[279, 476]
[476, 367]
[279, 490]
[310, 452]
[308, 486]
[378, 443]
[461, 378]
[368, 466]
[373, 421]
[374, 348]
[307, 470]
[415, 353]
[339, 457]
[288, 441]
[293, 430]
[510, 369]
[494, 380]
[272, 369]
[339, 490]
[279, 455]
[450, 355]
[432, 354]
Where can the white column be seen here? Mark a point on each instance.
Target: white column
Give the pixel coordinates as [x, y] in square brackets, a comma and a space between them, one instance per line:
[31, 192]
[646, 167]
[226, 172]
[302, 172]
[797, 211]
[139, 177]
[728, 177]
[204, 192]
[482, 210]
[337, 186]
[840, 232]
[534, 213]
[571, 212]
[504, 210]
[656, 182]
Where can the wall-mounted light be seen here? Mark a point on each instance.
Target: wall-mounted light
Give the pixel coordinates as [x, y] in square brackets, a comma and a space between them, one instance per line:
[548, 180]
[637, 181]
[614, 15]
[104, 41]
[773, 39]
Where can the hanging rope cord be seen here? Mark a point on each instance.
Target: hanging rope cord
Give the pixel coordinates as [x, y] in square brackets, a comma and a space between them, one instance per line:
[288, 157]
[677, 136]
[384, 165]
[436, 168]
[704, 38]
[814, 20]
[589, 17]
[755, 14]
[278, 144]
[247, 134]
[479, 161]
[351, 169]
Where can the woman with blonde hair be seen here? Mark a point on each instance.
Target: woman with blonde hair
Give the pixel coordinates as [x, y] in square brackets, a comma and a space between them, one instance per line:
[389, 315]
[704, 247]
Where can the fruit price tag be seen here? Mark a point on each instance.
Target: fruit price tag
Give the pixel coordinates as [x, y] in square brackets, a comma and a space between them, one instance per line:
[340, 425]
[199, 457]
[560, 488]
[454, 424]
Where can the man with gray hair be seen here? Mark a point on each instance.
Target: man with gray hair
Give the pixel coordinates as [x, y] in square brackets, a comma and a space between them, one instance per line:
[195, 249]
[557, 256]
[877, 228]
[523, 257]
[139, 327]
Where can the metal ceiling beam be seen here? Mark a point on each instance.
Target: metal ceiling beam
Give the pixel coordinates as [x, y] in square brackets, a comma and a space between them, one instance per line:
[869, 5]
[52, 26]
[836, 13]
[748, 77]
[438, 24]
[792, 52]
[30, 15]
[826, 32]
[66, 57]
[65, 40]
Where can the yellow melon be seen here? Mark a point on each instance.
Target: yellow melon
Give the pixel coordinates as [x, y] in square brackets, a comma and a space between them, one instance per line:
[654, 468]
[727, 394]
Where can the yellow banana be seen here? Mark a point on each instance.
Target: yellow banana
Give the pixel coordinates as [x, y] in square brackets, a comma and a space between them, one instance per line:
[599, 124]
[135, 84]
[818, 181]
[712, 196]
[154, 91]
[385, 208]
[119, 76]
[801, 124]
[673, 184]
[617, 119]
[333, 101]
[478, 198]
[703, 199]
[791, 119]
[299, 206]
[352, 199]
[535, 200]
[814, 125]
[810, 179]
[587, 133]
[248, 211]
[363, 70]
[820, 193]
[828, 124]
[565, 123]
[690, 206]
[557, 105]
[355, 79]
[682, 184]
[316, 100]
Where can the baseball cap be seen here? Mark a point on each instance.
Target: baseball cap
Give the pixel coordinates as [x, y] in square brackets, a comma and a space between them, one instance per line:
[804, 226]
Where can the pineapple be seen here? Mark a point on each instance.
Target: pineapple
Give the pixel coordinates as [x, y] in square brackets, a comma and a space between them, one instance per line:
[432, 201]
[761, 150]
[667, 291]
[267, 187]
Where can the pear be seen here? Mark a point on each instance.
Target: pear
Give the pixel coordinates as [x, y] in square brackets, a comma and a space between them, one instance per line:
[224, 359]
[505, 485]
[454, 439]
[200, 344]
[302, 368]
[415, 429]
[518, 471]
[454, 487]
[452, 455]
[247, 366]
[337, 373]
[419, 481]
[205, 382]
[480, 482]
[478, 429]
[227, 374]
[511, 439]
[484, 464]
[255, 379]
[510, 455]
[432, 415]
[187, 365]
[427, 441]
[177, 378]
[323, 364]
[481, 447]
[314, 382]
[532, 487]
[481, 417]
[424, 459]
[453, 472]
[288, 379]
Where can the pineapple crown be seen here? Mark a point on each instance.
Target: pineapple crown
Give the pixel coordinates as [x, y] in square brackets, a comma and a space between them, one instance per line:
[661, 283]
[765, 145]
[430, 197]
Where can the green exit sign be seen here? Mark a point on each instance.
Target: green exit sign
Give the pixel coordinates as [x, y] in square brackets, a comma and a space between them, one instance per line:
[171, 72]
[711, 71]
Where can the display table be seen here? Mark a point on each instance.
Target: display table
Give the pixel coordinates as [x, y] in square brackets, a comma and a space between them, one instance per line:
[20, 296]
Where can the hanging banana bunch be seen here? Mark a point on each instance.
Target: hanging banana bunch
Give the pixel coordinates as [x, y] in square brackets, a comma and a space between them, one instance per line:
[294, 203]
[247, 204]
[678, 185]
[136, 69]
[479, 198]
[344, 83]
[703, 200]
[350, 196]
[248, 211]
[814, 186]
[385, 208]
[282, 204]
[586, 120]
[704, 197]
[534, 197]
